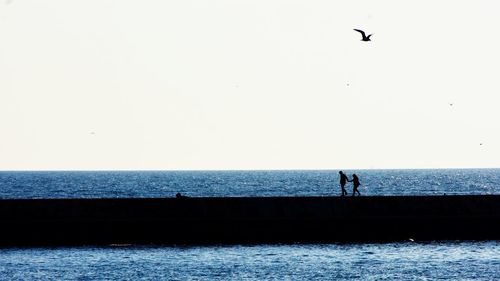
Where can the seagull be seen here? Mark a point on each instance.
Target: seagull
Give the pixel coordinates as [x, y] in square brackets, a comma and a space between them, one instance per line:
[365, 38]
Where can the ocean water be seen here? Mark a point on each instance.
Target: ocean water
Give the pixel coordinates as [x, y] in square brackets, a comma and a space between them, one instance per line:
[439, 260]
[395, 261]
[125, 184]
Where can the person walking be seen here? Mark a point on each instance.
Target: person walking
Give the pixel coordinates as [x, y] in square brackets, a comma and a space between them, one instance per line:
[355, 185]
[343, 181]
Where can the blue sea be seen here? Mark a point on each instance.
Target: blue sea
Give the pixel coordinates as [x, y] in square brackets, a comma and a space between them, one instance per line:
[450, 260]
[126, 184]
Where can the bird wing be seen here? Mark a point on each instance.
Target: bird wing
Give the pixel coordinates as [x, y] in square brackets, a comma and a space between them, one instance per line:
[361, 31]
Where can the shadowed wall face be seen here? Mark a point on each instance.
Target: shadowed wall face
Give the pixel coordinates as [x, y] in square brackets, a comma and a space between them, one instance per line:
[247, 220]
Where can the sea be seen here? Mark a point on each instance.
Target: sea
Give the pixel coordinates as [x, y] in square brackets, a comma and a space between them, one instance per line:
[407, 260]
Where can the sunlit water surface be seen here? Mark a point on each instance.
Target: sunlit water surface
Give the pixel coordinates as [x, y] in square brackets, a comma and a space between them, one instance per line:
[450, 260]
[398, 261]
[243, 183]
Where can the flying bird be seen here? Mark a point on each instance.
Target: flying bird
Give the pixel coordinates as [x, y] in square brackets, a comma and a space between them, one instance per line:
[365, 38]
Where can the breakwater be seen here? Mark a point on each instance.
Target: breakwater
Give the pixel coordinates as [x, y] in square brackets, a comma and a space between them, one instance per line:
[228, 220]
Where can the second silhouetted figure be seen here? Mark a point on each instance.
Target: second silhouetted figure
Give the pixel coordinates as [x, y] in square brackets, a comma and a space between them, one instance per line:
[355, 184]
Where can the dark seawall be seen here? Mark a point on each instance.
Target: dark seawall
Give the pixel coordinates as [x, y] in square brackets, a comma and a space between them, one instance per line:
[58, 222]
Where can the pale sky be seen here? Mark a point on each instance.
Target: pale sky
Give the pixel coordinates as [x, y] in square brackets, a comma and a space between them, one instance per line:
[175, 85]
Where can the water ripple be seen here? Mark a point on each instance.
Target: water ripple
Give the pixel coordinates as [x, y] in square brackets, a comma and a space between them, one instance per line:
[243, 183]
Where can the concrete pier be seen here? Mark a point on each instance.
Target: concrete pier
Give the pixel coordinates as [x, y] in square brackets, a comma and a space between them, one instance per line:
[229, 220]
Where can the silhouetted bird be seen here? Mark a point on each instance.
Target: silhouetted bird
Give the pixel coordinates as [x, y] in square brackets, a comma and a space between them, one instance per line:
[365, 38]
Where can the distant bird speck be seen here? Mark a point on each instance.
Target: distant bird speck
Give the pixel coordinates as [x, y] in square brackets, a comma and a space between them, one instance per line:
[365, 38]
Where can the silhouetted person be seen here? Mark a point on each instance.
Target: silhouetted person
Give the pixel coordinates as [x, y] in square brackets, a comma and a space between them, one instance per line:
[355, 184]
[343, 181]
[179, 196]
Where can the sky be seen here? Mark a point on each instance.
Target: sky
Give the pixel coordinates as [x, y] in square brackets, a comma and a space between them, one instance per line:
[232, 85]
